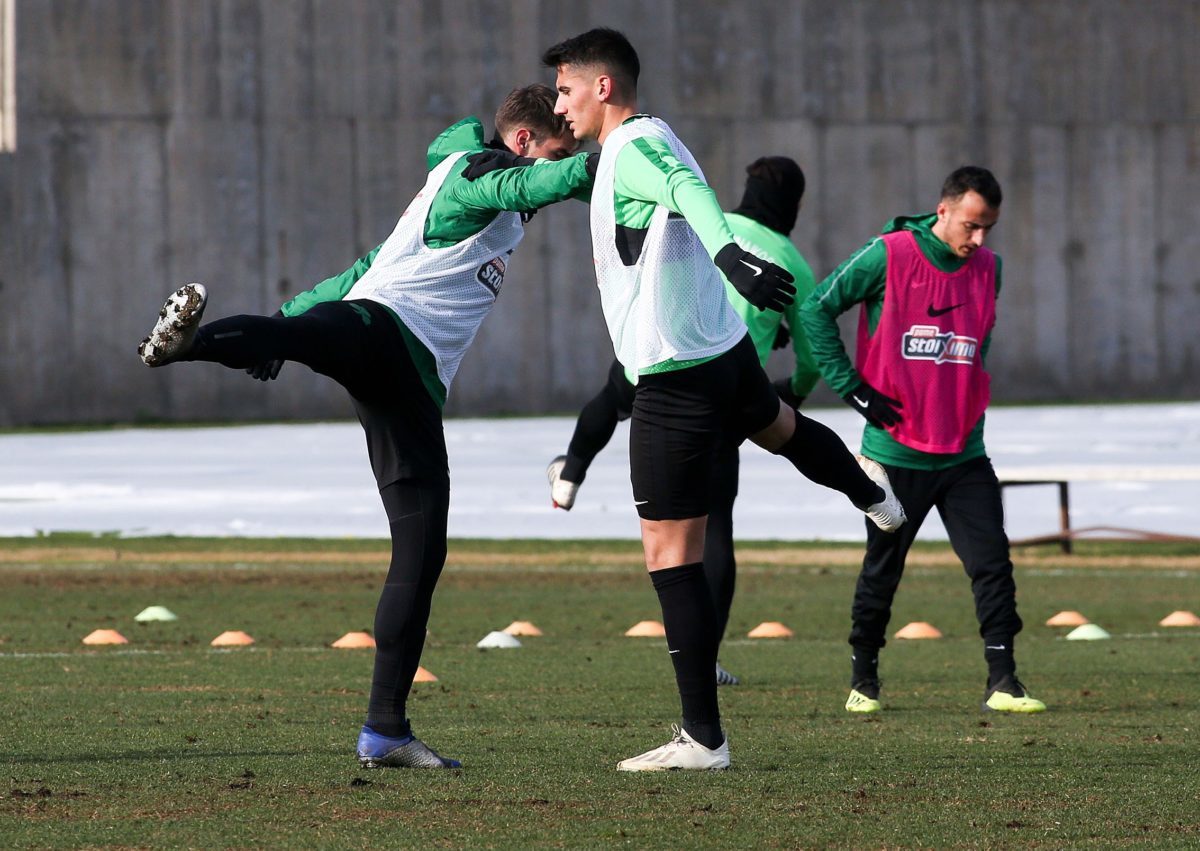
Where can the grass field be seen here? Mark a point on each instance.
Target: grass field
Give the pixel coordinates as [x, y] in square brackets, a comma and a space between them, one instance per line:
[167, 742]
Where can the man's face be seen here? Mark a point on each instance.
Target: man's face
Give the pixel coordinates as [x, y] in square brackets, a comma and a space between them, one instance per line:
[552, 147]
[964, 223]
[578, 101]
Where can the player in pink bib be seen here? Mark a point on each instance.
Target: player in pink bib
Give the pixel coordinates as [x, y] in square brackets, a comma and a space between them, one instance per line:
[927, 292]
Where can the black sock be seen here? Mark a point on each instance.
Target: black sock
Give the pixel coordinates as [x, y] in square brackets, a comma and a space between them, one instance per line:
[689, 618]
[998, 652]
[818, 453]
[864, 664]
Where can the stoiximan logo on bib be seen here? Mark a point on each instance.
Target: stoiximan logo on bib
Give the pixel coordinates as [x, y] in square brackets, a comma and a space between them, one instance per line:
[491, 275]
[928, 342]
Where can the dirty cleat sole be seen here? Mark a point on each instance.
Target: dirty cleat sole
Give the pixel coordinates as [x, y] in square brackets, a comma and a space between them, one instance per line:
[175, 329]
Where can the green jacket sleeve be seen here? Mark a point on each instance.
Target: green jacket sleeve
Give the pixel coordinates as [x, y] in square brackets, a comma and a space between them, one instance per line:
[805, 373]
[860, 279]
[647, 170]
[331, 289]
[522, 189]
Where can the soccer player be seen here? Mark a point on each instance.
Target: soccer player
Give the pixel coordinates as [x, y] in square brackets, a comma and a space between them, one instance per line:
[392, 330]
[927, 287]
[657, 231]
[761, 223]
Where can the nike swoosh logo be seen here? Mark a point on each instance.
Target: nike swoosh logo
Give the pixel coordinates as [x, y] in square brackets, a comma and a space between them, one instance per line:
[640, 501]
[938, 311]
[862, 403]
[757, 269]
[672, 652]
[994, 647]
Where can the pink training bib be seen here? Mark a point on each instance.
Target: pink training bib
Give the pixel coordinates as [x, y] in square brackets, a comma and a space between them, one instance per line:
[926, 348]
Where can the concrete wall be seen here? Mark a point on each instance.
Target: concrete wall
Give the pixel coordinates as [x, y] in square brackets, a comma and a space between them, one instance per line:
[261, 145]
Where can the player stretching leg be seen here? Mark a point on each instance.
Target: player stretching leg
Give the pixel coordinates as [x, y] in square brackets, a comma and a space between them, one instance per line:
[761, 223]
[657, 231]
[392, 330]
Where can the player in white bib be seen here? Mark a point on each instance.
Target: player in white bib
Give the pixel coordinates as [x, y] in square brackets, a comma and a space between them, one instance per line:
[392, 330]
[657, 231]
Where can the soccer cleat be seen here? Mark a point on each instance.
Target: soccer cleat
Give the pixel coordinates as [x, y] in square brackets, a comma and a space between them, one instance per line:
[864, 697]
[1008, 695]
[724, 678]
[888, 515]
[681, 753]
[175, 329]
[376, 751]
[562, 492]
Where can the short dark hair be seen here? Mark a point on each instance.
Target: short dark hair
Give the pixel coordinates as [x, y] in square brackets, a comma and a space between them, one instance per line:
[782, 172]
[603, 47]
[531, 107]
[972, 178]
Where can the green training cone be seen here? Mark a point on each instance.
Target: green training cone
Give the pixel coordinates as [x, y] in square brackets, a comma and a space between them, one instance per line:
[1088, 632]
[155, 613]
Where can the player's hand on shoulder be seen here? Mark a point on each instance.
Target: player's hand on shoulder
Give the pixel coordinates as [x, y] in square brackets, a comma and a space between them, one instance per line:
[492, 159]
[760, 282]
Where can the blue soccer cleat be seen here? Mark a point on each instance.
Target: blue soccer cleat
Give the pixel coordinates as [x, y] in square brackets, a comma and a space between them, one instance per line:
[376, 751]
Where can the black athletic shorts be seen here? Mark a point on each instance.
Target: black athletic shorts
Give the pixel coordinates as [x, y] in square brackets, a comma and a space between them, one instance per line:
[682, 419]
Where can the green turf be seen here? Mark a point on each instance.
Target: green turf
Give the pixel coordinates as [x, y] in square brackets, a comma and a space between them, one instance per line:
[169, 743]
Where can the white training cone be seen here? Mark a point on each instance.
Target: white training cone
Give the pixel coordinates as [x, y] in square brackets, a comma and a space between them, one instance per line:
[232, 638]
[1067, 618]
[522, 628]
[919, 629]
[647, 629]
[105, 636]
[1180, 619]
[423, 676]
[498, 640]
[770, 629]
[155, 613]
[1088, 632]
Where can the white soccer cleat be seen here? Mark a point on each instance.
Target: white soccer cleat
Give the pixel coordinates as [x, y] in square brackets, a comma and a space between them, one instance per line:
[681, 753]
[562, 492]
[889, 514]
[175, 329]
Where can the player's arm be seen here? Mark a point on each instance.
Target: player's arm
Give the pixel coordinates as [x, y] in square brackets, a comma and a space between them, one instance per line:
[330, 289]
[524, 188]
[987, 341]
[647, 170]
[861, 278]
[805, 372]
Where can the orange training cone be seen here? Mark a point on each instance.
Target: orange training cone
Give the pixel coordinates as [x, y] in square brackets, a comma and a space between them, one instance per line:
[647, 629]
[105, 636]
[919, 629]
[232, 638]
[770, 629]
[522, 628]
[354, 640]
[423, 676]
[1180, 619]
[1067, 618]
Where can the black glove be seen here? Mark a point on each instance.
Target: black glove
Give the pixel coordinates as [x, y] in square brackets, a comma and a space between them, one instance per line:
[266, 371]
[879, 410]
[763, 284]
[492, 159]
[783, 336]
[783, 387]
[591, 164]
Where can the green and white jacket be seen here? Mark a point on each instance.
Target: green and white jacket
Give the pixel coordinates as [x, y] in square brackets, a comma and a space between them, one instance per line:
[441, 270]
